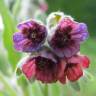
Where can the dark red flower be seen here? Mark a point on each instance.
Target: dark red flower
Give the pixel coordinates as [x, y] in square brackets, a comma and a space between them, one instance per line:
[74, 68]
[43, 67]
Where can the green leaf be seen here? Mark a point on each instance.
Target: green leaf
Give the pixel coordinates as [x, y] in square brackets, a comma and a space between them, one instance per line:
[16, 7]
[3, 62]
[75, 86]
[18, 72]
[9, 28]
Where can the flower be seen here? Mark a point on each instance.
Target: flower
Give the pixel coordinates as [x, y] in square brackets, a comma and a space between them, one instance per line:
[56, 60]
[31, 36]
[43, 6]
[74, 68]
[43, 67]
[66, 37]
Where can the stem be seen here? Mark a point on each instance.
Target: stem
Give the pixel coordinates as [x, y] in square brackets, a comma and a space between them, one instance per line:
[46, 90]
[41, 87]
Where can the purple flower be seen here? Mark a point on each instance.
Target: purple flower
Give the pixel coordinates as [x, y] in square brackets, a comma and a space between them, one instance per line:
[66, 37]
[31, 36]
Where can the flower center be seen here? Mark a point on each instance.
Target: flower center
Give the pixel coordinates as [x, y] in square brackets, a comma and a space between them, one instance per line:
[70, 65]
[44, 63]
[33, 35]
[62, 38]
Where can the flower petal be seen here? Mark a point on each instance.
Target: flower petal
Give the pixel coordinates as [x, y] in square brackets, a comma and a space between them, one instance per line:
[62, 67]
[63, 79]
[72, 49]
[17, 37]
[19, 46]
[61, 74]
[80, 33]
[29, 69]
[85, 61]
[45, 77]
[24, 25]
[74, 73]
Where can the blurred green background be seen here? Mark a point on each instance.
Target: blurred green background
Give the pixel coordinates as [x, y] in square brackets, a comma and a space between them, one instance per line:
[81, 10]
[14, 11]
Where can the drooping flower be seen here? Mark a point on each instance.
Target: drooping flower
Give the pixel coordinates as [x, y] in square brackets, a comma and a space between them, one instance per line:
[74, 68]
[43, 67]
[31, 36]
[66, 37]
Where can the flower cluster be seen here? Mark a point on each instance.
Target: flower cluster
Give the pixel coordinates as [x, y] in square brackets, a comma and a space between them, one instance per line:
[54, 48]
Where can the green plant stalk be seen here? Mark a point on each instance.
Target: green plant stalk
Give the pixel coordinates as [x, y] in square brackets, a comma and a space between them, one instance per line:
[16, 8]
[9, 29]
[46, 90]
